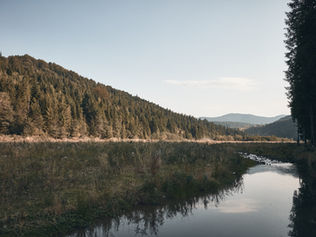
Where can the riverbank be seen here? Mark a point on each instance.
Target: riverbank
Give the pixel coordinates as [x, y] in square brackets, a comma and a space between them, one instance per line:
[52, 188]
[301, 155]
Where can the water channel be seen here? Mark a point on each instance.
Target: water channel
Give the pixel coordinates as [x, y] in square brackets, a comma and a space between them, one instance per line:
[259, 205]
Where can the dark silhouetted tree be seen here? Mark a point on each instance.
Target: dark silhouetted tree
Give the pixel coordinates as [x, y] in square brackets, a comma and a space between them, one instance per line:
[301, 61]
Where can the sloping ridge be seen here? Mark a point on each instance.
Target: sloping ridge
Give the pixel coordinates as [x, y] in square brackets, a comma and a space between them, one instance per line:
[39, 98]
[244, 118]
[284, 127]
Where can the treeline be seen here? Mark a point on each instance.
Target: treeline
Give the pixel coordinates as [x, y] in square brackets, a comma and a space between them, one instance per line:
[39, 98]
[301, 61]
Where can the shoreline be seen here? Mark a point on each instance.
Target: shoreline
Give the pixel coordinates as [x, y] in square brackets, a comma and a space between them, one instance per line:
[53, 188]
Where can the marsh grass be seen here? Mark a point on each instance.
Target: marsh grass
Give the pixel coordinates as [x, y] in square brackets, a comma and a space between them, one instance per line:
[49, 188]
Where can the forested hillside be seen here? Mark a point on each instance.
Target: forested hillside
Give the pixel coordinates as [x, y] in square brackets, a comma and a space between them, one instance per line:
[39, 98]
[284, 127]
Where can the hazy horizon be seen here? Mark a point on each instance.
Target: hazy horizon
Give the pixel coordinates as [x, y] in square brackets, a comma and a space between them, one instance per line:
[200, 58]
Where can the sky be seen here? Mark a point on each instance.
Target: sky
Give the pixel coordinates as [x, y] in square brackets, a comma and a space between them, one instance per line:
[196, 57]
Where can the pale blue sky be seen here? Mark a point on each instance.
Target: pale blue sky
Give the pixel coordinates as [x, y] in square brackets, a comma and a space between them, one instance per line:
[198, 57]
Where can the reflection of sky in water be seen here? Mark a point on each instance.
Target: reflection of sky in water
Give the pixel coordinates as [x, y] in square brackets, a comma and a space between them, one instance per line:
[263, 186]
[236, 206]
[260, 208]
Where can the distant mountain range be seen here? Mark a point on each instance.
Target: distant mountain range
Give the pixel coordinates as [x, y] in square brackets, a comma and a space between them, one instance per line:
[283, 127]
[244, 120]
[235, 125]
[279, 126]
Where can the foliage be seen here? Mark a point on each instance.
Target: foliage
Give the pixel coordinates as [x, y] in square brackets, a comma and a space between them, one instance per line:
[301, 61]
[49, 100]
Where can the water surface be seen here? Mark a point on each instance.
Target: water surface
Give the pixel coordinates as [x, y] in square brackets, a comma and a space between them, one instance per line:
[259, 205]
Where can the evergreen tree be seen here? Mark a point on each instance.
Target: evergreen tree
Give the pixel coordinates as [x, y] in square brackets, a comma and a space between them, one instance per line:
[301, 61]
[51, 118]
[35, 121]
[6, 113]
[22, 104]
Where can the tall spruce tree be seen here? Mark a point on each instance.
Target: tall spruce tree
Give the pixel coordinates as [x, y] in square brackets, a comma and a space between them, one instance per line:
[301, 61]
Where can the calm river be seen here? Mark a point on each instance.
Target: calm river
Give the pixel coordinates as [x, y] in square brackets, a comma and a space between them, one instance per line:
[260, 205]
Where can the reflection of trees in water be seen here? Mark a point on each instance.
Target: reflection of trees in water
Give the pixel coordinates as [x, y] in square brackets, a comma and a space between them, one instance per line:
[303, 213]
[148, 220]
[283, 169]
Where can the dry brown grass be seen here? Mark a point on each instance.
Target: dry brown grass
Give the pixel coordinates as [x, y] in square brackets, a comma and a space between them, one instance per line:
[220, 140]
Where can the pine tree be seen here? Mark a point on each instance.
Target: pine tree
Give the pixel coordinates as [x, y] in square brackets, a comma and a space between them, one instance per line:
[6, 113]
[301, 61]
[64, 118]
[51, 117]
[22, 105]
[35, 121]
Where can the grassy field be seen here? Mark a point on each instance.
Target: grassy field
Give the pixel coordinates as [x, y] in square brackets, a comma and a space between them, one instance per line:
[51, 188]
